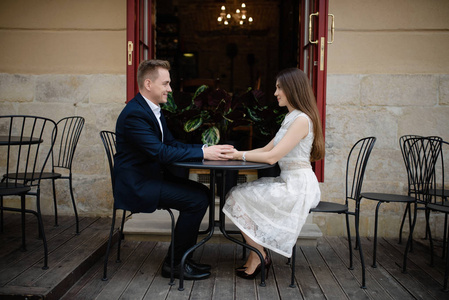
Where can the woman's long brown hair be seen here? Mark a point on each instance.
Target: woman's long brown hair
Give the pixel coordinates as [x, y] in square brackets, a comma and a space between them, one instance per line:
[296, 87]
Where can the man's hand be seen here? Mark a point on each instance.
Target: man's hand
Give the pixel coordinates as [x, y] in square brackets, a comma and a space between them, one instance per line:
[218, 152]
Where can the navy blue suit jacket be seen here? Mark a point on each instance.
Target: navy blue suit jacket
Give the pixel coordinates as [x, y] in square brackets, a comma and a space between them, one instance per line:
[139, 164]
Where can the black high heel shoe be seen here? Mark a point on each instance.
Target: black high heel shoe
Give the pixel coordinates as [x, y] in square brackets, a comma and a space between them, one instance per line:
[243, 268]
[242, 274]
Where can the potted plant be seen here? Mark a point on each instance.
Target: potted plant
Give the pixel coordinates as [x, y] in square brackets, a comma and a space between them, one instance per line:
[213, 113]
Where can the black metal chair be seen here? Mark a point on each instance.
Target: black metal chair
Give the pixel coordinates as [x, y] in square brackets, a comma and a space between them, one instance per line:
[23, 140]
[439, 191]
[381, 198]
[355, 170]
[421, 155]
[69, 131]
[438, 202]
[109, 142]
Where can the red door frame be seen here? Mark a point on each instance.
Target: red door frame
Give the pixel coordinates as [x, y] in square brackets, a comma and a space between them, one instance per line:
[139, 39]
[136, 47]
[316, 66]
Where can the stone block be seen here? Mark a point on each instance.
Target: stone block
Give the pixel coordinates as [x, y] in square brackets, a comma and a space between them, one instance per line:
[93, 195]
[107, 88]
[71, 89]
[444, 90]
[16, 87]
[399, 90]
[54, 111]
[424, 121]
[343, 89]
[346, 125]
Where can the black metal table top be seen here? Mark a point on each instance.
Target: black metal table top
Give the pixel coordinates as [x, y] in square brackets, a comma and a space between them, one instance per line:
[222, 165]
[17, 140]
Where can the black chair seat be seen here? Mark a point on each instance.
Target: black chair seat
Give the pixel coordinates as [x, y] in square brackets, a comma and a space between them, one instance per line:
[33, 176]
[8, 189]
[383, 197]
[330, 207]
[437, 207]
[439, 193]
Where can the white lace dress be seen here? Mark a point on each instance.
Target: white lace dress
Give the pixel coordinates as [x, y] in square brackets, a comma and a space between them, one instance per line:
[272, 210]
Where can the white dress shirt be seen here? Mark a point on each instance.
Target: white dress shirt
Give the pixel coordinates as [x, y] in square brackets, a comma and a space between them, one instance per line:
[157, 112]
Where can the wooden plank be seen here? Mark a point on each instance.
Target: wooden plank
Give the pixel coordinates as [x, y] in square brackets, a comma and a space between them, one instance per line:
[421, 257]
[326, 280]
[338, 268]
[66, 227]
[224, 281]
[380, 284]
[306, 280]
[203, 289]
[143, 278]
[64, 258]
[92, 288]
[431, 285]
[388, 261]
[282, 274]
[126, 273]
[160, 289]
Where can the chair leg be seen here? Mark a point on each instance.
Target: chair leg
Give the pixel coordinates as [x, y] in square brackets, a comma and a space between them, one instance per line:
[446, 271]
[293, 259]
[429, 234]
[376, 224]
[172, 247]
[39, 217]
[1, 214]
[357, 236]
[55, 203]
[111, 233]
[22, 204]
[407, 209]
[120, 236]
[443, 255]
[409, 241]
[348, 230]
[74, 205]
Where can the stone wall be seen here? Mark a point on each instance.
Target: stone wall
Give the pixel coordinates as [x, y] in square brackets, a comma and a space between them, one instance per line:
[99, 99]
[388, 75]
[386, 106]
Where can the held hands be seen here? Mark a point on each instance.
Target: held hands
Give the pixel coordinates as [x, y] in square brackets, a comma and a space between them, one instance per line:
[219, 152]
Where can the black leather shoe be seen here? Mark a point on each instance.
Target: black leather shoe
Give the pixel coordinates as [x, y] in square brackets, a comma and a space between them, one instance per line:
[190, 273]
[198, 266]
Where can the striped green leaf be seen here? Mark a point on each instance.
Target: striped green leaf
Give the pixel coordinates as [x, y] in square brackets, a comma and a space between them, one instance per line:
[193, 124]
[211, 136]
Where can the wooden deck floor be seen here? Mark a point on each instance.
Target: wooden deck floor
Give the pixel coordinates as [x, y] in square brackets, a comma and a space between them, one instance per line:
[76, 269]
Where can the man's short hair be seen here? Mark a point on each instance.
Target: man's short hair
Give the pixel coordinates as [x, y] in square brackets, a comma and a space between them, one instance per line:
[148, 69]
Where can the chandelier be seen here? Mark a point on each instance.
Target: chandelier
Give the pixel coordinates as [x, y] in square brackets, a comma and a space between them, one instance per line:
[239, 17]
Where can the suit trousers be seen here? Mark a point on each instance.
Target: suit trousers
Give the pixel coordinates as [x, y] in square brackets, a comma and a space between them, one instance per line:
[191, 199]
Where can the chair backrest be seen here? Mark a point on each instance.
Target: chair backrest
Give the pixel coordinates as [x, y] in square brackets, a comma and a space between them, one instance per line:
[27, 143]
[440, 190]
[356, 165]
[69, 131]
[110, 144]
[407, 167]
[422, 154]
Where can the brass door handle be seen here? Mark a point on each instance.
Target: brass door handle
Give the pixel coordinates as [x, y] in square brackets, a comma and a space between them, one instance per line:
[310, 28]
[130, 53]
[332, 29]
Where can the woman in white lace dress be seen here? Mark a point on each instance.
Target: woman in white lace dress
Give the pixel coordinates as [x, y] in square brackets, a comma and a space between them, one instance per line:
[271, 211]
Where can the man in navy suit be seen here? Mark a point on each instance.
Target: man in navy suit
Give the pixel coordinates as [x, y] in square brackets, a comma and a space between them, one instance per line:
[145, 147]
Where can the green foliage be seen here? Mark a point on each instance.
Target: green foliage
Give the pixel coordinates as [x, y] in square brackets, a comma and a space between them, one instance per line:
[214, 113]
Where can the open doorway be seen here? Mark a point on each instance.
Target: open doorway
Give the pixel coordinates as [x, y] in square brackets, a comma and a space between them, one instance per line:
[198, 46]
